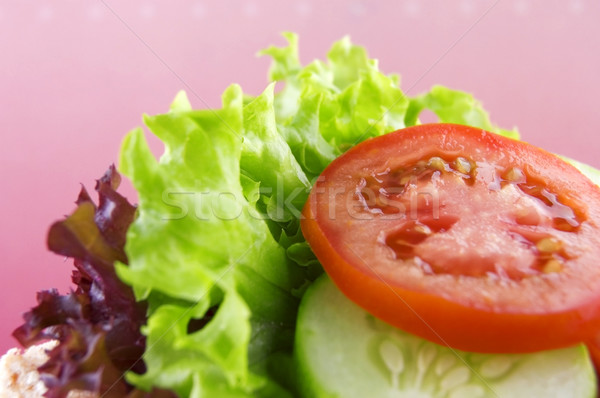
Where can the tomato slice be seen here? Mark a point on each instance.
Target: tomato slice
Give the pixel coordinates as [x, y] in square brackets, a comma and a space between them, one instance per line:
[463, 237]
[593, 347]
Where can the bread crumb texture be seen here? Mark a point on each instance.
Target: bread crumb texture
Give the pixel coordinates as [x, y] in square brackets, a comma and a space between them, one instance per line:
[19, 377]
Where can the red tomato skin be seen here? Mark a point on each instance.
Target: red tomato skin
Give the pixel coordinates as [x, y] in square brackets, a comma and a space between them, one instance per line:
[438, 319]
[593, 347]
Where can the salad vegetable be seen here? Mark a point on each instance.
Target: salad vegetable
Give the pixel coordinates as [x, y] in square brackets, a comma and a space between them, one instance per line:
[98, 324]
[218, 215]
[463, 237]
[343, 351]
[214, 253]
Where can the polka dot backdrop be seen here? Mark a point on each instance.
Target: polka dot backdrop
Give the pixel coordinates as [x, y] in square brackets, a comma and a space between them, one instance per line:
[75, 76]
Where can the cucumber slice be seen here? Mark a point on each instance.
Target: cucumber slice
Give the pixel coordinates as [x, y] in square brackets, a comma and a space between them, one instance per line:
[343, 351]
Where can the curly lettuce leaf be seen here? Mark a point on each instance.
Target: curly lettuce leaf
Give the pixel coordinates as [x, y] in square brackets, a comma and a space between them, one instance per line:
[97, 325]
[453, 106]
[199, 242]
[327, 107]
[216, 249]
[590, 172]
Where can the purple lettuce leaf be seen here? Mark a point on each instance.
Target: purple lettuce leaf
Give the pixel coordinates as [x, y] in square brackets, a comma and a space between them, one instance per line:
[98, 324]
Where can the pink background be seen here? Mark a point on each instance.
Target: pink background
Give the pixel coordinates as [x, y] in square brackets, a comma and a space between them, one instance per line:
[75, 76]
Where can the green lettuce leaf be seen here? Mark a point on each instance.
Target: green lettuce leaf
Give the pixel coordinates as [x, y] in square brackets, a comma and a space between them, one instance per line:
[198, 242]
[590, 172]
[327, 107]
[216, 249]
[452, 106]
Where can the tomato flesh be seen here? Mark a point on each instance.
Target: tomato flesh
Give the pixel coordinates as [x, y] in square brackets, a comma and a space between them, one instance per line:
[463, 237]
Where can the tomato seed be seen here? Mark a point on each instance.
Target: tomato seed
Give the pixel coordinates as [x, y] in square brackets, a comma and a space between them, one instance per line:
[552, 266]
[437, 163]
[462, 165]
[422, 229]
[514, 174]
[527, 216]
[406, 179]
[549, 245]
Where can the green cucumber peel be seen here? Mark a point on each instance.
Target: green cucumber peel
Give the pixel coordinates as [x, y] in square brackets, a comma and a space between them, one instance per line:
[343, 351]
